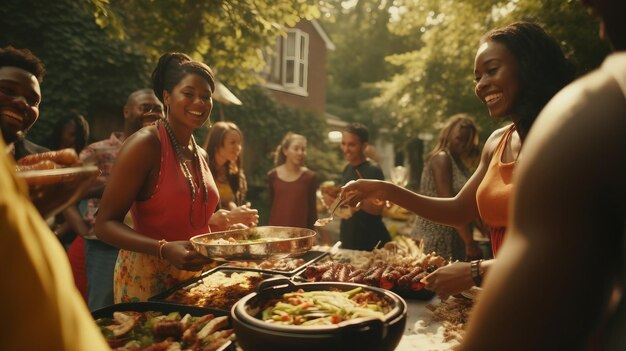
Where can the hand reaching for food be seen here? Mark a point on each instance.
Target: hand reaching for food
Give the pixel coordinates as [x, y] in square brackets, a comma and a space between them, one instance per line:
[365, 189]
[449, 280]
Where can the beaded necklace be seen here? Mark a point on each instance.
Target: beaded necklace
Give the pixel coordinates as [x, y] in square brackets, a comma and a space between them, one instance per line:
[187, 173]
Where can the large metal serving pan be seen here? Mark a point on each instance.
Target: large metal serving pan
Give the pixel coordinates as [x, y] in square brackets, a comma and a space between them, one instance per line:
[285, 242]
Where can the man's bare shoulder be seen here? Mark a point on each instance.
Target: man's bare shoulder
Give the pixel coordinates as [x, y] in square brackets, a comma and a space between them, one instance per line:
[583, 114]
[577, 143]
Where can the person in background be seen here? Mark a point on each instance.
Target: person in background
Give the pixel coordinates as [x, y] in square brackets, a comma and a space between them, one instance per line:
[518, 69]
[20, 102]
[562, 271]
[70, 131]
[444, 174]
[223, 145]
[142, 108]
[162, 177]
[30, 253]
[292, 186]
[362, 229]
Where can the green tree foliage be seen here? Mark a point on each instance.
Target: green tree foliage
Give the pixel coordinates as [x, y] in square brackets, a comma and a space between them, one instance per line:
[229, 35]
[86, 71]
[435, 79]
[363, 40]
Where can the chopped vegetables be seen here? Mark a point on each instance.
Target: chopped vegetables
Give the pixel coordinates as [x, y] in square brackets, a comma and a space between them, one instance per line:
[324, 307]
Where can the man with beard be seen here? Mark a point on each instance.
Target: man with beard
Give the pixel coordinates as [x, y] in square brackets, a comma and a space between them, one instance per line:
[560, 280]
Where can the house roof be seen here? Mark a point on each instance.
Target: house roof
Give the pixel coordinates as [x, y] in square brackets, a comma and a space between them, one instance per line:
[335, 121]
[325, 37]
[224, 95]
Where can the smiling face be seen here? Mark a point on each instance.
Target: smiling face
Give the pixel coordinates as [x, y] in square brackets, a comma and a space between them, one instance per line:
[20, 96]
[190, 102]
[496, 72]
[231, 148]
[296, 152]
[353, 148]
[143, 109]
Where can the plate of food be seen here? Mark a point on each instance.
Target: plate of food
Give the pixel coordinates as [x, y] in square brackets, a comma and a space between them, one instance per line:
[219, 288]
[161, 326]
[51, 190]
[257, 243]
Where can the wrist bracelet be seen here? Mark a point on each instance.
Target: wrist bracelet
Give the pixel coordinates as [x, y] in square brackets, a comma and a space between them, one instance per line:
[475, 272]
[162, 243]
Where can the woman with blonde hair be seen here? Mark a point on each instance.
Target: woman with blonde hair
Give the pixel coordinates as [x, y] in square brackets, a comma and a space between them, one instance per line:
[445, 172]
[292, 185]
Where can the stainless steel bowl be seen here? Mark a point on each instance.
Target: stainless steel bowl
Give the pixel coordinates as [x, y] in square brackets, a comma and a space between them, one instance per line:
[282, 242]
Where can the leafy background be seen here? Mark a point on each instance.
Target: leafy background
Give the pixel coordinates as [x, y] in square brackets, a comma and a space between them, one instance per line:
[401, 66]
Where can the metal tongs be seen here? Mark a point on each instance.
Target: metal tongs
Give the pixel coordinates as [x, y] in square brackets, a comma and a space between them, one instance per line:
[339, 201]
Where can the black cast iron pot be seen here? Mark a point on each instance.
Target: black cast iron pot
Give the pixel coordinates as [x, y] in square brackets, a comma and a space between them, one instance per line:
[365, 334]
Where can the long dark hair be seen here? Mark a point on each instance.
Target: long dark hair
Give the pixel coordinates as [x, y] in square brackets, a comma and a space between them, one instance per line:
[463, 121]
[173, 67]
[82, 131]
[544, 70]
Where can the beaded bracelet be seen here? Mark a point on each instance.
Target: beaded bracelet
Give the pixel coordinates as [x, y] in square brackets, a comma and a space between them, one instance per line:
[475, 272]
[162, 243]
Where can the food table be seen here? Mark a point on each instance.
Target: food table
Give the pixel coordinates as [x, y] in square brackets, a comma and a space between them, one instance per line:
[421, 331]
[225, 285]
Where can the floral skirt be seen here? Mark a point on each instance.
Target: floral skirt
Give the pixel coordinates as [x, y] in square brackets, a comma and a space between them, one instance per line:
[139, 276]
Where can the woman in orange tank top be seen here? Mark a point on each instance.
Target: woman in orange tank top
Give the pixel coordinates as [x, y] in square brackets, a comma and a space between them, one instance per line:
[517, 70]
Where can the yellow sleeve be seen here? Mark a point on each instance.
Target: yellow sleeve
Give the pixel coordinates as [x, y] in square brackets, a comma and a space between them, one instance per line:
[41, 307]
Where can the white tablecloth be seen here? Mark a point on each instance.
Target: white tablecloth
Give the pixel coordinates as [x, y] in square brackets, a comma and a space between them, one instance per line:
[422, 332]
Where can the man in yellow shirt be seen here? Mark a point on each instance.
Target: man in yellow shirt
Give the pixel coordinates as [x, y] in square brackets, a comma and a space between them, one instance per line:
[41, 308]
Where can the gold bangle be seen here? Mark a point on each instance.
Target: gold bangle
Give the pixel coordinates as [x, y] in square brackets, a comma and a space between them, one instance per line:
[162, 243]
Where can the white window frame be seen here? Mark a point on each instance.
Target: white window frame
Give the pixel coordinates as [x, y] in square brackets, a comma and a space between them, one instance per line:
[300, 68]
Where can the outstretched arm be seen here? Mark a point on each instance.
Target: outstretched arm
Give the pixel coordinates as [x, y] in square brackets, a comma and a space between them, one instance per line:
[456, 211]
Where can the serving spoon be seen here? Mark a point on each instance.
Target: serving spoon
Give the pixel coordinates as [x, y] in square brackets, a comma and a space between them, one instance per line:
[339, 201]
